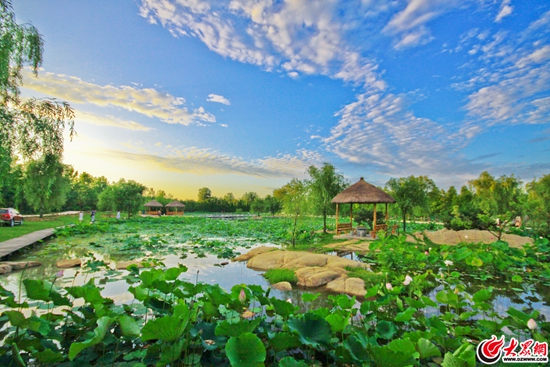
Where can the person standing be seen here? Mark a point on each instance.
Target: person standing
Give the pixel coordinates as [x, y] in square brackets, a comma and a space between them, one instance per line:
[81, 216]
[93, 216]
[118, 214]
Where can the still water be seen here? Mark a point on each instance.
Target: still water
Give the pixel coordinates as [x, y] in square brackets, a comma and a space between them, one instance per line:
[213, 269]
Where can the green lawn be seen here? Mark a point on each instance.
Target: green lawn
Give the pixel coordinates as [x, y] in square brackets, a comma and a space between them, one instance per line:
[35, 224]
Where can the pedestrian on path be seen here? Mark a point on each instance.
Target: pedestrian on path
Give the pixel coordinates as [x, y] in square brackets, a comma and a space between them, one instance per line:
[118, 214]
[93, 217]
[81, 216]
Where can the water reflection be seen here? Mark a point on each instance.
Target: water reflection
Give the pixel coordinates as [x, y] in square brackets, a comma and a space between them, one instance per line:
[212, 269]
[205, 268]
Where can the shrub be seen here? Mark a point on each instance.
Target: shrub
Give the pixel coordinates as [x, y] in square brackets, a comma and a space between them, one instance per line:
[281, 275]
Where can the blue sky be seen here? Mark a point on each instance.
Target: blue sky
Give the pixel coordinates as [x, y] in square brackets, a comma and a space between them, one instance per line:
[243, 95]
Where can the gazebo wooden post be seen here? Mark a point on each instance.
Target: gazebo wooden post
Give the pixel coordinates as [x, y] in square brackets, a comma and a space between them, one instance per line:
[386, 213]
[351, 216]
[337, 219]
[374, 222]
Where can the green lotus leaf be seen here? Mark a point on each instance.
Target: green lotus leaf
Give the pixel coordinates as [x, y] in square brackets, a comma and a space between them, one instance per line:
[246, 350]
[312, 329]
[167, 328]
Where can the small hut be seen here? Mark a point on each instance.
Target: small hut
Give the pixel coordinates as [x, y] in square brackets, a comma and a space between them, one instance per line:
[153, 207]
[362, 192]
[174, 208]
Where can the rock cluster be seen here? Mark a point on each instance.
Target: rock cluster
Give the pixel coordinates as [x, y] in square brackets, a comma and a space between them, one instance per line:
[312, 270]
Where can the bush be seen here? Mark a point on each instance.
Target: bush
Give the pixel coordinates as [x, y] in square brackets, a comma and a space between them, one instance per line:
[281, 275]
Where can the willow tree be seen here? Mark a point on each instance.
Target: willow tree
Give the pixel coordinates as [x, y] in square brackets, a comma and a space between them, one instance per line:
[324, 184]
[410, 193]
[29, 128]
[294, 200]
[45, 184]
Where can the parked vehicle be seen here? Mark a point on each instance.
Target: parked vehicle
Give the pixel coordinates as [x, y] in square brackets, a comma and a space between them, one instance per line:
[10, 216]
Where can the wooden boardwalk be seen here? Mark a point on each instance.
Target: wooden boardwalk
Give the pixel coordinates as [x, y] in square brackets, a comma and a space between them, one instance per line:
[10, 246]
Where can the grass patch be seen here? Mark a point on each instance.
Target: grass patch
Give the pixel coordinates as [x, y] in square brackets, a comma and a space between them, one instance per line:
[281, 275]
[371, 278]
[33, 224]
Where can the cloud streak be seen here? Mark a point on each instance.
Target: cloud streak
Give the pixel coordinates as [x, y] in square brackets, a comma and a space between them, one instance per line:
[218, 99]
[201, 161]
[112, 121]
[145, 101]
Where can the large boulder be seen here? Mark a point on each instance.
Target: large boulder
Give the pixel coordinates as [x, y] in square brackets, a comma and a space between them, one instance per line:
[351, 286]
[279, 259]
[69, 263]
[18, 265]
[254, 252]
[317, 276]
[450, 237]
[282, 286]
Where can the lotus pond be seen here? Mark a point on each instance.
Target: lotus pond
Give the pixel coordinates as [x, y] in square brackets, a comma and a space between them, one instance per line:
[192, 306]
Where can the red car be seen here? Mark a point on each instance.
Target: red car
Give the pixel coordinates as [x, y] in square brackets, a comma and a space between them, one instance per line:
[10, 216]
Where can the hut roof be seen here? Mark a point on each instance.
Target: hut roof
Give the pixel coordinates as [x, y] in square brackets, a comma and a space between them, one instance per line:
[175, 203]
[362, 192]
[153, 203]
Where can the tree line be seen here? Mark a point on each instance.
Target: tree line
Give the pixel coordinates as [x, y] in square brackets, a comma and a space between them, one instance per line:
[34, 179]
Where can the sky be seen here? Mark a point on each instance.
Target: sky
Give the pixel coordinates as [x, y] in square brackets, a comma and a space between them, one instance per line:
[244, 95]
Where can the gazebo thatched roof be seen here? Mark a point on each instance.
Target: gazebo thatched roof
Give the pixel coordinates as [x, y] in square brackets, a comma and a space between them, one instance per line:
[154, 204]
[176, 204]
[362, 192]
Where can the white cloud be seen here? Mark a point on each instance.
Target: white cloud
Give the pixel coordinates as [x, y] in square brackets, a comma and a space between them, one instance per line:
[409, 25]
[218, 99]
[94, 119]
[418, 37]
[505, 10]
[379, 130]
[510, 78]
[146, 101]
[296, 36]
[201, 161]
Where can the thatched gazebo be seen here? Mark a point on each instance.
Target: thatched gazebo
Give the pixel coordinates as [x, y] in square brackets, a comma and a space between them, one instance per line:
[152, 207]
[362, 192]
[174, 205]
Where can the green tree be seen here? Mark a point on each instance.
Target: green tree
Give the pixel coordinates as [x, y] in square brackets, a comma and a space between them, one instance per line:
[293, 195]
[124, 195]
[248, 198]
[272, 205]
[257, 206]
[29, 128]
[45, 186]
[229, 198]
[500, 198]
[85, 190]
[323, 185]
[538, 203]
[409, 193]
[497, 196]
[204, 194]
